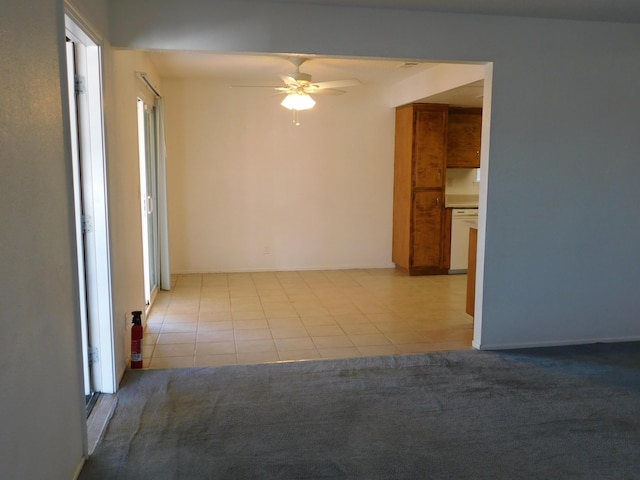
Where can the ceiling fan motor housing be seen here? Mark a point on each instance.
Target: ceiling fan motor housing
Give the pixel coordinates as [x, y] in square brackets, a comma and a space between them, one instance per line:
[301, 78]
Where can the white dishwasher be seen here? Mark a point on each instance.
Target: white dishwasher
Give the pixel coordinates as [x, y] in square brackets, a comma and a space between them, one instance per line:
[461, 220]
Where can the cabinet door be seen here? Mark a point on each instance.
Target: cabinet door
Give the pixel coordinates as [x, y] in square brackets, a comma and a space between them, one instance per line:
[429, 145]
[427, 229]
[463, 137]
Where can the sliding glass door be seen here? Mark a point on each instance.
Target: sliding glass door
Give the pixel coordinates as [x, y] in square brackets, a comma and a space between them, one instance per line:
[148, 190]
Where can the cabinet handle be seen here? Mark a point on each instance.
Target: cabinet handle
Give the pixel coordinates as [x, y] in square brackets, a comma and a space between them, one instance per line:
[437, 201]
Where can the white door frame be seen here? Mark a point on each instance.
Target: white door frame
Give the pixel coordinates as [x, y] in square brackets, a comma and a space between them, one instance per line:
[94, 186]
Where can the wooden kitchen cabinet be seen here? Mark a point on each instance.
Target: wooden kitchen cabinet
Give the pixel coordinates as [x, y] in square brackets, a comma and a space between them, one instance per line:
[427, 229]
[464, 133]
[421, 224]
[429, 149]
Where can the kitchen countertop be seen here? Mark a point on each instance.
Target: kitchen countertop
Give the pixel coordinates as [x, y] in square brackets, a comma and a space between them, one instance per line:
[460, 201]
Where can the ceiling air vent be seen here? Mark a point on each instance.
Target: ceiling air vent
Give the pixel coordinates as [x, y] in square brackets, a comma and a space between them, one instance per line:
[409, 64]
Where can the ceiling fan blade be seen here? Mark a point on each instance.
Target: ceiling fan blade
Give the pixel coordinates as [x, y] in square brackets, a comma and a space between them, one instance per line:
[350, 82]
[288, 80]
[255, 86]
[326, 91]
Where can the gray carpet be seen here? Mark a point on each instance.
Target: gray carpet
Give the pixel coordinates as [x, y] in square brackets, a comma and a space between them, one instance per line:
[555, 413]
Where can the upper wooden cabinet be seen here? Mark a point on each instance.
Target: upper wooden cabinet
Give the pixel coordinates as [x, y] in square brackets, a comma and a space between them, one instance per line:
[420, 145]
[429, 147]
[464, 133]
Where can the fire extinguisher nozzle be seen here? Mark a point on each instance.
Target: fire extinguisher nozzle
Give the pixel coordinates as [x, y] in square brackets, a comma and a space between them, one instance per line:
[137, 317]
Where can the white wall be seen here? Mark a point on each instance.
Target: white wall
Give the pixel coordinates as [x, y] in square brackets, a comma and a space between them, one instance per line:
[462, 181]
[560, 261]
[41, 394]
[244, 180]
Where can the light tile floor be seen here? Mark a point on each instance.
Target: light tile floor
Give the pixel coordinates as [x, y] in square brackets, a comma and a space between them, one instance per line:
[237, 318]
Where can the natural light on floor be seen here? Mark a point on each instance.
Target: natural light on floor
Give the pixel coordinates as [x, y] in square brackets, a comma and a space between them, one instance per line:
[236, 318]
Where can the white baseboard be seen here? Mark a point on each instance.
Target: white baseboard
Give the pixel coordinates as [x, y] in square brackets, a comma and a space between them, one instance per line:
[76, 473]
[278, 269]
[559, 343]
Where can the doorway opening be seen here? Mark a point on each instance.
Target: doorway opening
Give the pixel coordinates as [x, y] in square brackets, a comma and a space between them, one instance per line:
[262, 242]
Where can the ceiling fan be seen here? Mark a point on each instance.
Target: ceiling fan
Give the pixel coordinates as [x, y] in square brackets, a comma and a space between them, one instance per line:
[299, 85]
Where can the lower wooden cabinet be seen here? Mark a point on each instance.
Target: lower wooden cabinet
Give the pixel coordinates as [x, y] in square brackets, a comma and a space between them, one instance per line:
[428, 236]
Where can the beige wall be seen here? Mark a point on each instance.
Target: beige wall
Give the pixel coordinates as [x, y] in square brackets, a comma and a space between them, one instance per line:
[244, 180]
[124, 193]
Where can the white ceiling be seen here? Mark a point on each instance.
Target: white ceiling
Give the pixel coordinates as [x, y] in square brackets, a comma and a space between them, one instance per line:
[250, 68]
[265, 70]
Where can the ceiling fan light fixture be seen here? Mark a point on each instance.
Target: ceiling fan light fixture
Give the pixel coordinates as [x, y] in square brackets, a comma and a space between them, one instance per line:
[298, 101]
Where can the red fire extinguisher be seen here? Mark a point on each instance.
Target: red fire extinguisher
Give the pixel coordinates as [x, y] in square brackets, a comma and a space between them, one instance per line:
[136, 340]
